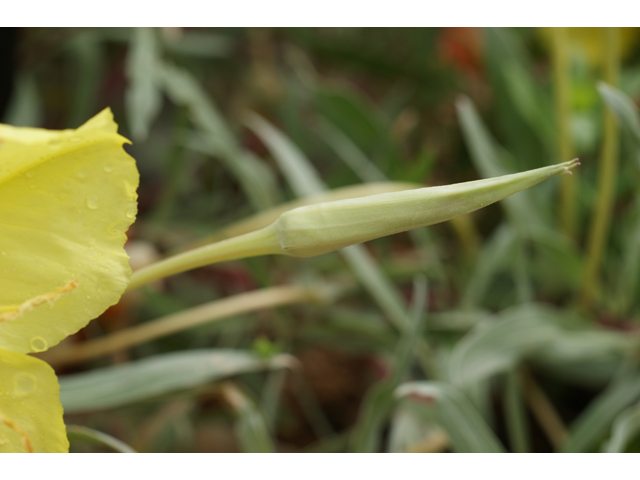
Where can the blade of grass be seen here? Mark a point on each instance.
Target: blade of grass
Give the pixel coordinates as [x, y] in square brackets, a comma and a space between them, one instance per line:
[492, 258]
[143, 379]
[515, 413]
[491, 349]
[201, 44]
[588, 357]
[521, 279]
[379, 400]
[185, 319]
[143, 97]
[607, 176]
[523, 106]
[564, 142]
[625, 427]
[87, 53]
[628, 117]
[175, 168]
[86, 434]
[593, 424]
[629, 272]
[544, 411]
[623, 107]
[257, 180]
[25, 108]
[270, 400]
[349, 152]
[466, 428]
[251, 429]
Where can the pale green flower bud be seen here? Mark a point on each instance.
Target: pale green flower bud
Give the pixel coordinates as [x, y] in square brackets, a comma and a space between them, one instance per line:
[325, 227]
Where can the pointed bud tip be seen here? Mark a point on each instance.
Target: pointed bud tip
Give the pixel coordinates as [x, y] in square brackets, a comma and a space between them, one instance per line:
[571, 164]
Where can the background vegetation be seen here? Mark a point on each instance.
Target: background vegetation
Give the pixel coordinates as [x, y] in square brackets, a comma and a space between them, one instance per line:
[511, 329]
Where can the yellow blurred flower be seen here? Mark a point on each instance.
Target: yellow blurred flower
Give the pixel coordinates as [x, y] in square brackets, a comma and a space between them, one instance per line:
[67, 199]
[589, 42]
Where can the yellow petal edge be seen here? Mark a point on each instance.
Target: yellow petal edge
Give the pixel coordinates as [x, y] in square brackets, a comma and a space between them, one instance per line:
[30, 409]
[67, 199]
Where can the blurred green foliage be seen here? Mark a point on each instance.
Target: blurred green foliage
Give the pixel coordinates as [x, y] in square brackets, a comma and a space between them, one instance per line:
[467, 336]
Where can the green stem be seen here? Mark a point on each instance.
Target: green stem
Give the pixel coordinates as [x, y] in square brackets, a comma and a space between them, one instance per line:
[608, 171]
[543, 410]
[252, 244]
[562, 81]
[190, 318]
[516, 415]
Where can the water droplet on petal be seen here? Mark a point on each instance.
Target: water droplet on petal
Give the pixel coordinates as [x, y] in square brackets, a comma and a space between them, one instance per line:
[82, 175]
[131, 213]
[38, 344]
[24, 383]
[92, 202]
[118, 228]
[108, 168]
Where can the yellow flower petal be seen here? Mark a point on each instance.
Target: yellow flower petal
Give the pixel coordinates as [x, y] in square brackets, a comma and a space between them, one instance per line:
[30, 409]
[66, 200]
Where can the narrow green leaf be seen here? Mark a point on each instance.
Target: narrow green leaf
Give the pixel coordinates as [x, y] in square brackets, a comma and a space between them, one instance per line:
[143, 98]
[493, 258]
[123, 384]
[494, 348]
[80, 433]
[250, 426]
[522, 105]
[25, 108]
[594, 423]
[378, 402]
[87, 52]
[255, 177]
[302, 178]
[349, 153]
[353, 115]
[624, 108]
[455, 320]
[629, 268]
[488, 158]
[625, 428]
[199, 44]
[515, 413]
[468, 431]
[584, 356]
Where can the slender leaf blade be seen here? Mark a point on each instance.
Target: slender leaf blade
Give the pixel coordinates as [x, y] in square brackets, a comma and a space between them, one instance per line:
[144, 379]
[468, 431]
